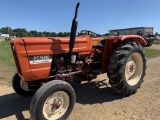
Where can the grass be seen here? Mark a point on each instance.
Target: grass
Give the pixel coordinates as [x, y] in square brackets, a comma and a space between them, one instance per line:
[6, 53]
[104, 37]
[152, 52]
[7, 65]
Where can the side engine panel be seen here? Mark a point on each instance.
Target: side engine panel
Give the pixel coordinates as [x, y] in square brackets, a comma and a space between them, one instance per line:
[32, 64]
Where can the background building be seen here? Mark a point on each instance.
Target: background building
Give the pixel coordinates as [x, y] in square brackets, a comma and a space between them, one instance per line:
[3, 36]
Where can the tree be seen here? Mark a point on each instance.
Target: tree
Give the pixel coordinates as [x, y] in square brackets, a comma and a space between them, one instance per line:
[60, 34]
[46, 34]
[5, 30]
[40, 34]
[34, 33]
[53, 34]
[106, 34]
[156, 33]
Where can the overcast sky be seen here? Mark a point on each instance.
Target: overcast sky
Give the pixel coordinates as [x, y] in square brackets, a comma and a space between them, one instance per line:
[95, 15]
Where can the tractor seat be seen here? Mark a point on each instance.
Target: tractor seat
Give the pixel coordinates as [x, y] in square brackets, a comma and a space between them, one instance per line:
[100, 45]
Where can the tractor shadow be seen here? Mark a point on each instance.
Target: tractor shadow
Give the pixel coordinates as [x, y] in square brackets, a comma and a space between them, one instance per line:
[95, 92]
[13, 104]
[86, 93]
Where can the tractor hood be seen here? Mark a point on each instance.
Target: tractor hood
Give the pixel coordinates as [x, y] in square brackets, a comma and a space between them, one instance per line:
[43, 40]
[53, 45]
[24, 49]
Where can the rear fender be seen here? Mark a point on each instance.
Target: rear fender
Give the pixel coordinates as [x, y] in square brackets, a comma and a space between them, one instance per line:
[133, 38]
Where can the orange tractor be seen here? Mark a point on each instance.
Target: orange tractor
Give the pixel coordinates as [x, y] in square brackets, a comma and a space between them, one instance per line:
[45, 65]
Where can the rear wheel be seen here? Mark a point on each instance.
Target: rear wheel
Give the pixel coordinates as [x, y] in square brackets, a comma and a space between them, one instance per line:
[156, 41]
[53, 101]
[149, 43]
[126, 68]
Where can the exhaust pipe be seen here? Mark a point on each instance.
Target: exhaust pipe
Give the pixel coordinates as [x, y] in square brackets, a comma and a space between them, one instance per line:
[73, 31]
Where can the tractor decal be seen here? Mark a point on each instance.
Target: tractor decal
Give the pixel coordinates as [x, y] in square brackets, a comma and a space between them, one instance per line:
[40, 59]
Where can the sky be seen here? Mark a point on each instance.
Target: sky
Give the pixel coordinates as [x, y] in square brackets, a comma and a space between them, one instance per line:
[95, 15]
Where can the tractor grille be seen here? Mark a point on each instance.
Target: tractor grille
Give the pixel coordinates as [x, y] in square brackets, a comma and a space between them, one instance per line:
[16, 58]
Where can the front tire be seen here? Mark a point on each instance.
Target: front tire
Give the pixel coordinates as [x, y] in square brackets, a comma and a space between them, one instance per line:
[53, 101]
[126, 68]
[20, 86]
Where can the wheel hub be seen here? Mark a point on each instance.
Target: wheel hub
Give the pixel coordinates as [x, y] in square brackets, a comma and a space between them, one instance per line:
[53, 106]
[56, 105]
[131, 67]
[24, 85]
[134, 68]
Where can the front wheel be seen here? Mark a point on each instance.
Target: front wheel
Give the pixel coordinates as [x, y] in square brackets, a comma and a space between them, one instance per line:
[126, 68]
[53, 101]
[20, 86]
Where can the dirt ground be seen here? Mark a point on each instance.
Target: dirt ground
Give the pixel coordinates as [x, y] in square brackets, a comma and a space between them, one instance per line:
[96, 100]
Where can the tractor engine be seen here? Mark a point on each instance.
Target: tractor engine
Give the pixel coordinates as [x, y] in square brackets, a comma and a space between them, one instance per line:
[83, 65]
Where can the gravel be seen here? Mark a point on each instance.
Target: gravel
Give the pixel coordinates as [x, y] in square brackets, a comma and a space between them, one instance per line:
[96, 100]
[94, 103]
[154, 46]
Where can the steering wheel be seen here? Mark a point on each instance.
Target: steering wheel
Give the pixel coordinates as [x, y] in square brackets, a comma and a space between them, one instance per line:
[90, 33]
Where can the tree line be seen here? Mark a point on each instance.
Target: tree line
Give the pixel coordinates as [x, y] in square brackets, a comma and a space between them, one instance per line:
[22, 32]
[157, 34]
